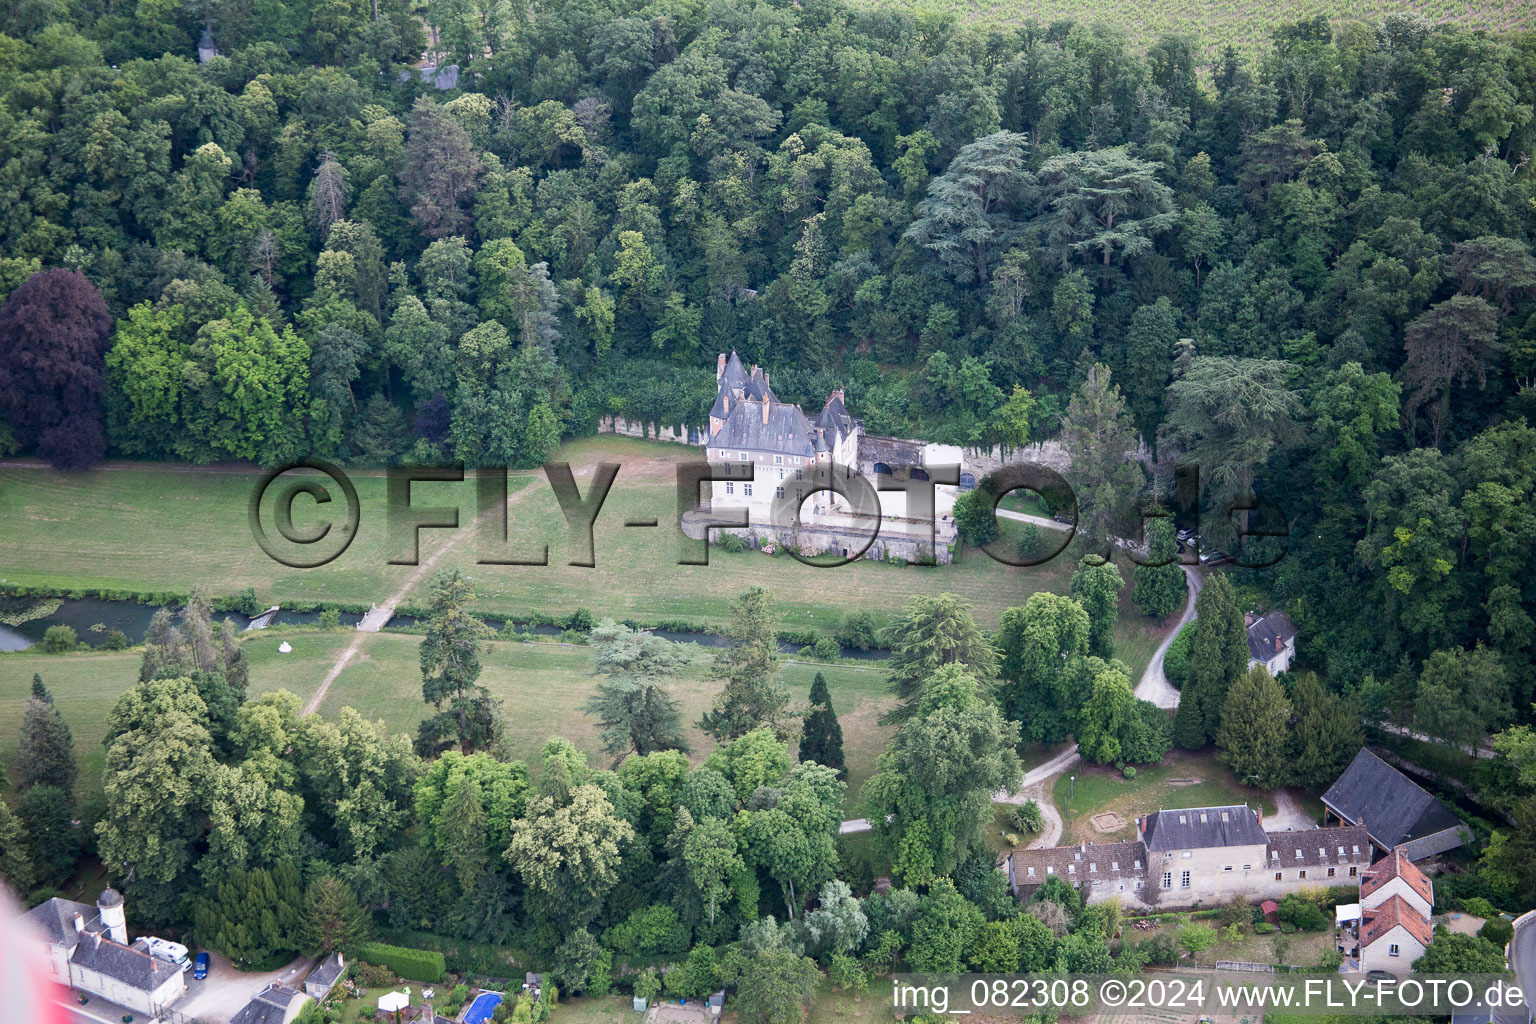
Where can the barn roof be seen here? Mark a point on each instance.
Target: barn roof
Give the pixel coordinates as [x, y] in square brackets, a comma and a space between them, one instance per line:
[1392, 807]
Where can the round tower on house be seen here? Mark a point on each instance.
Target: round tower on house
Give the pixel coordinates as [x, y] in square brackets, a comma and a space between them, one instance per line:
[113, 918]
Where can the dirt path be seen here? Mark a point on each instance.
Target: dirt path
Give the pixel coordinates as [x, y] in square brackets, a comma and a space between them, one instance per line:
[385, 610]
[1154, 685]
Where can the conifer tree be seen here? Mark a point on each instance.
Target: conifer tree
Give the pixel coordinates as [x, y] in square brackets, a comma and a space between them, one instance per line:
[932, 632]
[15, 865]
[822, 739]
[1255, 722]
[47, 754]
[1219, 657]
[753, 696]
[333, 919]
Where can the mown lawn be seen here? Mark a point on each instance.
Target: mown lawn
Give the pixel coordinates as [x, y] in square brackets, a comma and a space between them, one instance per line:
[86, 686]
[164, 528]
[1097, 789]
[543, 686]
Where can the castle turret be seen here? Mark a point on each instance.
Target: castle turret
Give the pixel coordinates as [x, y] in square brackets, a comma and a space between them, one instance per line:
[113, 918]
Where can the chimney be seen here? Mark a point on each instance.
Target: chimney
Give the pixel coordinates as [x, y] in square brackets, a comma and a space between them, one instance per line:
[1277, 644]
[720, 366]
[79, 923]
[765, 378]
[838, 394]
[765, 408]
[1141, 824]
[341, 961]
[1247, 619]
[1258, 812]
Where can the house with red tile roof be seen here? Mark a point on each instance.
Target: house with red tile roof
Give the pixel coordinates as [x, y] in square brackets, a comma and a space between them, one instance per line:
[1393, 936]
[1396, 875]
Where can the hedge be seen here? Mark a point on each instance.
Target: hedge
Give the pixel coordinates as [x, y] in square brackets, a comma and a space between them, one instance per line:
[416, 964]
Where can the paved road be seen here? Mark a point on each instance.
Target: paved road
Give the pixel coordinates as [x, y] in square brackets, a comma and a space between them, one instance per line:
[1154, 685]
[220, 996]
[1288, 816]
[1024, 517]
[1522, 952]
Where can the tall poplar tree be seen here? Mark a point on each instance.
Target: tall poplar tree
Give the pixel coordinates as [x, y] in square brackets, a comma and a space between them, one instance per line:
[1219, 657]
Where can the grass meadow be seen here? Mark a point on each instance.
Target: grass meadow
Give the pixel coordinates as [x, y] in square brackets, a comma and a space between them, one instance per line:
[165, 528]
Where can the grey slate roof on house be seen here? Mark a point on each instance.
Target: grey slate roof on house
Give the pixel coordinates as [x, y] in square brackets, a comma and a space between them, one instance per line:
[1201, 828]
[1269, 634]
[785, 431]
[1319, 848]
[1395, 809]
[735, 375]
[269, 1006]
[327, 972]
[834, 416]
[130, 966]
[55, 919]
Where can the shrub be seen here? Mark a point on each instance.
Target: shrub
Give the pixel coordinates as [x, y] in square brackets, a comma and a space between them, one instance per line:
[1197, 936]
[1129, 771]
[1303, 913]
[1497, 931]
[1479, 907]
[847, 974]
[60, 639]
[974, 518]
[648, 985]
[1026, 817]
[580, 620]
[732, 544]
[330, 619]
[859, 631]
[373, 975]
[1176, 659]
[416, 964]
[1031, 544]
[825, 649]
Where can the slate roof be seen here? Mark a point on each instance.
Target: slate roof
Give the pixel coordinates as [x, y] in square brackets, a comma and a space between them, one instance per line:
[55, 919]
[1082, 863]
[1396, 865]
[786, 430]
[1395, 911]
[757, 386]
[834, 416]
[1395, 809]
[130, 966]
[735, 375]
[1201, 828]
[1319, 847]
[269, 1006]
[1265, 631]
[327, 972]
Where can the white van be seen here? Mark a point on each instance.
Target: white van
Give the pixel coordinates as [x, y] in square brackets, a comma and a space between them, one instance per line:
[164, 949]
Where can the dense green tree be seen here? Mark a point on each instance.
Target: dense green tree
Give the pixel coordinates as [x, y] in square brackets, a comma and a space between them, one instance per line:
[1325, 736]
[929, 633]
[568, 853]
[632, 703]
[1097, 589]
[930, 792]
[821, 738]
[1160, 586]
[753, 696]
[332, 918]
[1455, 953]
[1255, 720]
[965, 221]
[15, 862]
[46, 755]
[52, 837]
[1218, 659]
[1100, 436]
[450, 670]
[1036, 643]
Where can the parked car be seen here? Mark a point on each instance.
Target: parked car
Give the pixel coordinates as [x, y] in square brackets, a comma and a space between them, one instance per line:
[200, 966]
[1378, 976]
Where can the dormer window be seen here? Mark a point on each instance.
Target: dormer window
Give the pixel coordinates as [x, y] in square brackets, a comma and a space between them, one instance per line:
[1225, 816]
[1202, 817]
[1183, 820]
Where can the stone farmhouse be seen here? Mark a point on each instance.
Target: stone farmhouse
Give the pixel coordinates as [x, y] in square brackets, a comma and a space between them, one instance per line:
[1197, 855]
[88, 951]
[778, 457]
[1395, 811]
